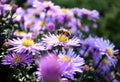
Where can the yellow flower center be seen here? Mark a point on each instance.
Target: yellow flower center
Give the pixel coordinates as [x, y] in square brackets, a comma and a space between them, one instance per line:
[41, 22]
[79, 24]
[65, 59]
[19, 33]
[27, 42]
[64, 10]
[104, 61]
[32, 16]
[62, 38]
[17, 59]
[37, 10]
[109, 51]
[10, 7]
[46, 2]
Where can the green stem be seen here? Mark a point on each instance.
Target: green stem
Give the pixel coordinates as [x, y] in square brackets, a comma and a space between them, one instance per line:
[83, 76]
[100, 62]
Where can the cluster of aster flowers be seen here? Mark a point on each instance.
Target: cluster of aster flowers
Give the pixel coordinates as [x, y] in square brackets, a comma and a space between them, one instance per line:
[101, 52]
[46, 16]
[49, 38]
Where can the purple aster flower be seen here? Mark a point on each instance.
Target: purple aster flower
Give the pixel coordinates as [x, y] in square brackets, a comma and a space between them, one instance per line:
[35, 20]
[15, 59]
[25, 44]
[67, 13]
[92, 15]
[50, 26]
[115, 80]
[19, 14]
[67, 70]
[14, 7]
[105, 47]
[71, 63]
[48, 6]
[52, 40]
[88, 46]
[49, 69]
[88, 49]
[5, 7]
[63, 15]
[106, 63]
[75, 10]
[23, 34]
[38, 26]
[30, 2]
[72, 25]
[43, 5]
[106, 57]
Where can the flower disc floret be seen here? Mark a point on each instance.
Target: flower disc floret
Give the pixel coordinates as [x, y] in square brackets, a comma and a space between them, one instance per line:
[104, 61]
[109, 51]
[17, 59]
[65, 59]
[27, 42]
[62, 38]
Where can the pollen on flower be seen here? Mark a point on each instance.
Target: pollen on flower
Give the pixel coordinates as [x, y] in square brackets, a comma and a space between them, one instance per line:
[32, 16]
[41, 22]
[10, 7]
[65, 59]
[37, 10]
[19, 33]
[104, 61]
[109, 51]
[46, 2]
[79, 24]
[17, 59]
[62, 38]
[27, 42]
[64, 10]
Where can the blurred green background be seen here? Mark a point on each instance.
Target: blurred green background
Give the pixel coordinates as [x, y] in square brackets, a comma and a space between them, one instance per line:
[109, 21]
